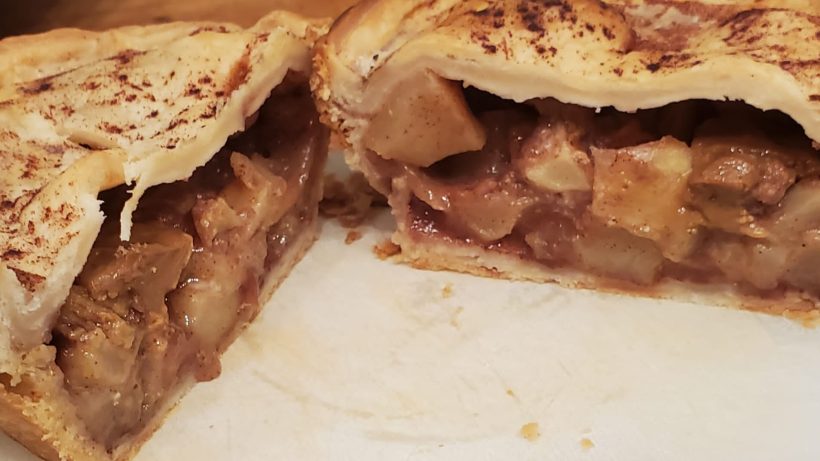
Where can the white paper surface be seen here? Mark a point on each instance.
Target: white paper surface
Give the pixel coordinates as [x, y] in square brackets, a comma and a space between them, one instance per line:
[357, 359]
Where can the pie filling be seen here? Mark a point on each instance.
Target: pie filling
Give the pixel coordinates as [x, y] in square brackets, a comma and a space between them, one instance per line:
[712, 192]
[145, 315]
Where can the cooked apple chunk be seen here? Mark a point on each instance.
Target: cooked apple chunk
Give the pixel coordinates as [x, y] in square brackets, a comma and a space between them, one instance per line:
[551, 162]
[425, 120]
[617, 253]
[799, 210]
[642, 189]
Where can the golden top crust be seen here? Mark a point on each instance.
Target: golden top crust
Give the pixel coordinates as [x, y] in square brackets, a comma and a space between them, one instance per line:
[29, 57]
[629, 54]
[142, 106]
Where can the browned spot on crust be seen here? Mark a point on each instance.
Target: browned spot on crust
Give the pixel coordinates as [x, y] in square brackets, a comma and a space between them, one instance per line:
[12, 253]
[55, 149]
[238, 75]
[210, 112]
[814, 97]
[193, 90]
[37, 87]
[172, 143]
[675, 60]
[218, 29]
[531, 16]
[175, 123]
[29, 281]
[125, 56]
[740, 23]
[110, 128]
[482, 39]
[797, 65]
[498, 18]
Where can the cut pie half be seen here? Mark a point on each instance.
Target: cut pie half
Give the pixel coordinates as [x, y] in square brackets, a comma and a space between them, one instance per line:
[663, 147]
[158, 184]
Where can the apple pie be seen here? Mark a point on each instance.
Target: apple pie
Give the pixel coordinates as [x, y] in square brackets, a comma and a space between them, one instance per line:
[159, 183]
[663, 147]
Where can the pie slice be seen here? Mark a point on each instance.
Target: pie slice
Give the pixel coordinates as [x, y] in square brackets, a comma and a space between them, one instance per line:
[159, 183]
[668, 148]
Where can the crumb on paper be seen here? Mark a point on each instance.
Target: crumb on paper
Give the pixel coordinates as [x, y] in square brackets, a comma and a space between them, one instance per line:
[530, 432]
[349, 201]
[447, 290]
[586, 443]
[510, 393]
[454, 317]
[386, 249]
[352, 236]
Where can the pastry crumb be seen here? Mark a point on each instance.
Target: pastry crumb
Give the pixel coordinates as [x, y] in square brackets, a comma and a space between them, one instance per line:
[386, 249]
[586, 443]
[447, 290]
[530, 432]
[352, 236]
[511, 393]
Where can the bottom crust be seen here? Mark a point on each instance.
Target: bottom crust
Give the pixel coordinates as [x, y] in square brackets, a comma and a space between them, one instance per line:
[38, 414]
[432, 253]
